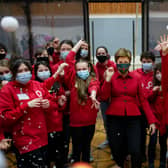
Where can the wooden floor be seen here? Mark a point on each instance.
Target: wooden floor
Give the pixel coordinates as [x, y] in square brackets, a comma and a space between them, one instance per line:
[102, 158]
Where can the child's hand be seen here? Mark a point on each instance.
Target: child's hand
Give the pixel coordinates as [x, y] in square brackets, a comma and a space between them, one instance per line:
[45, 103]
[62, 100]
[95, 102]
[156, 88]
[109, 73]
[163, 43]
[5, 144]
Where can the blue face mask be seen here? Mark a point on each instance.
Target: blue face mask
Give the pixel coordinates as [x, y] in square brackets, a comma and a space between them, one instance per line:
[23, 77]
[43, 75]
[64, 54]
[6, 77]
[84, 53]
[83, 74]
[147, 67]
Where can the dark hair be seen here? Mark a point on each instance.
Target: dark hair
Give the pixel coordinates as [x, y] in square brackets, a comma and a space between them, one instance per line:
[78, 56]
[148, 55]
[36, 68]
[15, 64]
[106, 50]
[82, 88]
[2, 46]
[39, 51]
[156, 82]
[69, 42]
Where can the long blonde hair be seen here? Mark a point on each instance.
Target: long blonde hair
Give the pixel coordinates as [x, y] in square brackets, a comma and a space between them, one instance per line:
[82, 86]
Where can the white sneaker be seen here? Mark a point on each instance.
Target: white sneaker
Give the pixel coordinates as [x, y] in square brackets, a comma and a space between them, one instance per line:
[103, 145]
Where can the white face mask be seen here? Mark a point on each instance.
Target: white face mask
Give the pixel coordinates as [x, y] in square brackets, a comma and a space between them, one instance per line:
[159, 76]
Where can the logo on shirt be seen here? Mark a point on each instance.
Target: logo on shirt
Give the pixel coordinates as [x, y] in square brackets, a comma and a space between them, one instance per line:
[38, 93]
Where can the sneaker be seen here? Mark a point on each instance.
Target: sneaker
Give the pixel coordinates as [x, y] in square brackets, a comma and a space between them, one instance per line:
[91, 158]
[103, 145]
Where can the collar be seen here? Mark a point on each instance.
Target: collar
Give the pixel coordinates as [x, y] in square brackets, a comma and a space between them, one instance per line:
[129, 75]
[17, 84]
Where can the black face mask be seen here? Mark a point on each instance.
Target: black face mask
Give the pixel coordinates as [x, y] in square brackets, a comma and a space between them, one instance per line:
[2, 56]
[50, 51]
[101, 58]
[43, 59]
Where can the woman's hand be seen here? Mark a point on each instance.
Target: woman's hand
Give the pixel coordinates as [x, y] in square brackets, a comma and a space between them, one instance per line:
[62, 100]
[78, 45]
[45, 103]
[163, 43]
[152, 128]
[95, 102]
[60, 70]
[109, 73]
[35, 103]
[5, 144]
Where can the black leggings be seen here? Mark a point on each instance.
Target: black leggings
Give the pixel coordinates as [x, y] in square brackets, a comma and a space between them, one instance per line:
[124, 138]
[56, 148]
[35, 159]
[81, 142]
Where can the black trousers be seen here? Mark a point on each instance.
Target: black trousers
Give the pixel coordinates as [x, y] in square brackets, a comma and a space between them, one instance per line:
[152, 148]
[124, 138]
[56, 148]
[81, 142]
[35, 159]
[66, 136]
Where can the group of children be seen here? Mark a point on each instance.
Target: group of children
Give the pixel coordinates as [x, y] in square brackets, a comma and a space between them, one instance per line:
[57, 98]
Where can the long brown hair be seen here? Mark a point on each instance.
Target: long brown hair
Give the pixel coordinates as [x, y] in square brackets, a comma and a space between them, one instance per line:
[82, 85]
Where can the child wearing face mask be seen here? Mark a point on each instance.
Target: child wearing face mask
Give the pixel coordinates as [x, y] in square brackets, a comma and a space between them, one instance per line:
[24, 104]
[65, 47]
[156, 101]
[146, 75]
[5, 74]
[103, 63]
[54, 118]
[84, 86]
[3, 52]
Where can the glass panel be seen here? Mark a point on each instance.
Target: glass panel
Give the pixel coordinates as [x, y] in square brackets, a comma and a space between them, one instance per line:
[48, 19]
[158, 22]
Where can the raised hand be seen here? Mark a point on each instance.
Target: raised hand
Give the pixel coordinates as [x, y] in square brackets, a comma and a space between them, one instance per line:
[109, 73]
[60, 70]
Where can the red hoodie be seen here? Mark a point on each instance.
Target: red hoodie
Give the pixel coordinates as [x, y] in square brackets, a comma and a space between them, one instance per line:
[28, 124]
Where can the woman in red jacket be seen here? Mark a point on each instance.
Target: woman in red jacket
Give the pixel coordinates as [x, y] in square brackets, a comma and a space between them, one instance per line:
[23, 105]
[54, 120]
[83, 86]
[123, 114]
[156, 101]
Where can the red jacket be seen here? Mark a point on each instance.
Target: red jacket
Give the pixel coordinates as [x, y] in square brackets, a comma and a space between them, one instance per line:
[124, 93]
[101, 68]
[80, 115]
[28, 124]
[165, 85]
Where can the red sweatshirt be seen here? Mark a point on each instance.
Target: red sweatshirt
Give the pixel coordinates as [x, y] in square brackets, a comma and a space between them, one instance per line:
[28, 124]
[54, 118]
[80, 115]
[157, 106]
[56, 57]
[124, 93]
